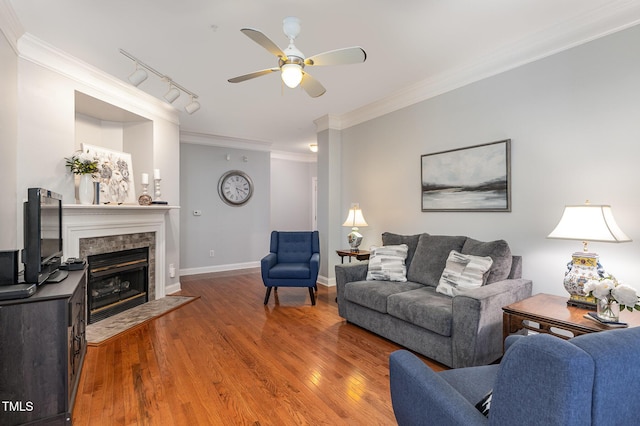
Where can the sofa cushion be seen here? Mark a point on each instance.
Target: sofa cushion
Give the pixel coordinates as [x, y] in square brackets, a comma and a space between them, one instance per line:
[290, 270]
[387, 263]
[431, 256]
[498, 250]
[374, 294]
[389, 239]
[423, 307]
[463, 271]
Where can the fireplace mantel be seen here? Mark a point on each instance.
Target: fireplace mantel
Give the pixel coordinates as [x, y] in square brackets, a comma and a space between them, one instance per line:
[88, 221]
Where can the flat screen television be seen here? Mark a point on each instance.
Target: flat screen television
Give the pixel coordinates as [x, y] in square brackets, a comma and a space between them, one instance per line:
[42, 253]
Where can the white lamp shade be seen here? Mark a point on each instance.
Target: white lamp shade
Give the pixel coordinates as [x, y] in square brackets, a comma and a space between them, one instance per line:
[355, 218]
[291, 75]
[172, 94]
[138, 76]
[589, 223]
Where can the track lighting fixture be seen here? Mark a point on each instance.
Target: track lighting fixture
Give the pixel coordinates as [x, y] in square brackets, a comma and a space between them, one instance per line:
[140, 75]
[172, 94]
[193, 106]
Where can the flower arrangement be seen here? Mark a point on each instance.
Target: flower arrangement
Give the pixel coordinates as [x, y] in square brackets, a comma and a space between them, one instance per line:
[611, 289]
[81, 163]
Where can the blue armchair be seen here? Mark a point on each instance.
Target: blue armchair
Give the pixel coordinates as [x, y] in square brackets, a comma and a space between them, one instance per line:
[592, 379]
[293, 261]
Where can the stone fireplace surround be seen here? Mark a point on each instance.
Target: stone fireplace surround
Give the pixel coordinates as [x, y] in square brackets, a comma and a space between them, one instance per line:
[93, 229]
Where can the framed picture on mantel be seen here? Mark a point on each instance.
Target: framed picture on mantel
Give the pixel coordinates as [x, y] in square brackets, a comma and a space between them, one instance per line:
[115, 174]
[473, 179]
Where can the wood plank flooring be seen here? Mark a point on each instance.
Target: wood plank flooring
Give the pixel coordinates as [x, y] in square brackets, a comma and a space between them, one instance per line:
[226, 359]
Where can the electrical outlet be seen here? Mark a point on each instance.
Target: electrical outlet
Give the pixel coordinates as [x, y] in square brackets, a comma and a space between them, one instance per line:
[212, 253]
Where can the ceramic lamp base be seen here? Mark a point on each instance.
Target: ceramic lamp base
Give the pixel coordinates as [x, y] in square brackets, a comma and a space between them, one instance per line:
[582, 268]
[354, 238]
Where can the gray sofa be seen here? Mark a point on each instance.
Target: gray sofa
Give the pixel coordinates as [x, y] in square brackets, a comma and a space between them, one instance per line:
[460, 331]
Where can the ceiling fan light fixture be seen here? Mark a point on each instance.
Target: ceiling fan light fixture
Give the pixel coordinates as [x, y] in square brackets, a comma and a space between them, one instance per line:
[291, 75]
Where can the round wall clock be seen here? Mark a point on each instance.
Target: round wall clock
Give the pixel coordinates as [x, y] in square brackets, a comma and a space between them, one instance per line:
[235, 188]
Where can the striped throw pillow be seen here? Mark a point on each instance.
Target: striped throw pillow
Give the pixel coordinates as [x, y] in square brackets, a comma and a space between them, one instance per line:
[463, 271]
[386, 263]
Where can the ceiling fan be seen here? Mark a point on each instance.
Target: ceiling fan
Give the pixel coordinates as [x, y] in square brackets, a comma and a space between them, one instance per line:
[291, 61]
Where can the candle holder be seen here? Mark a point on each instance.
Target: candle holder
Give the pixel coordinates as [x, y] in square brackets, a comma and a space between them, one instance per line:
[157, 199]
[145, 198]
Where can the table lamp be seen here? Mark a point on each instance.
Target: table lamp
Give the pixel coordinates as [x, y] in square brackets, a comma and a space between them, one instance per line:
[587, 222]
[354, 220]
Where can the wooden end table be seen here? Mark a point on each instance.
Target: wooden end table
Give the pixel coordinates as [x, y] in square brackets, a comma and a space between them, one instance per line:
[360, 255]
[551, 312]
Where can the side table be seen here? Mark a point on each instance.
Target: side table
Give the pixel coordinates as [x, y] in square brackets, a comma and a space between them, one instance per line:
[551, 313]
[359, 255]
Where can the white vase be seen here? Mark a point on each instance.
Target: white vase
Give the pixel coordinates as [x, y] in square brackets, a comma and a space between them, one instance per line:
[85, 189]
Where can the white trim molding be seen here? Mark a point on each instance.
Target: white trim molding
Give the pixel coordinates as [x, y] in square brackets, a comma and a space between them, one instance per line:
[82, 221]
[613, 17]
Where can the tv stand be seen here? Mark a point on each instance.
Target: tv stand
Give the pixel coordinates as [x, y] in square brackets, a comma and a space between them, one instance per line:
[41, 352]
[57, 276]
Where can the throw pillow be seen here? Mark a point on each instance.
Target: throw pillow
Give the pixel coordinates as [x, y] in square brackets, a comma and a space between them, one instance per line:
[390, 239]
[484, 405]
[463, 271]
[430, 257]
[500, 253]
[386, 263]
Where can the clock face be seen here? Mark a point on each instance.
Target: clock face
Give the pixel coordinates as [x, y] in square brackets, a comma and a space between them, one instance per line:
[235, 188]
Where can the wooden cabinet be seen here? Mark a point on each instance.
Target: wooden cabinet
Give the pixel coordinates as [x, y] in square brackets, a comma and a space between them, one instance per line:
[42, 347]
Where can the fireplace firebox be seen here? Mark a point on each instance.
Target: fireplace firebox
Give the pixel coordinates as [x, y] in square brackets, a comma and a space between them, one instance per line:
[117, 281]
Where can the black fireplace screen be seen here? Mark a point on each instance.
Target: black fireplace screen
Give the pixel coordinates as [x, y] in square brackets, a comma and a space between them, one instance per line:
[117, 281]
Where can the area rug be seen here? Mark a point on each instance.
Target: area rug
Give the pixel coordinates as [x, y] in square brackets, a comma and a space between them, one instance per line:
[109, 328]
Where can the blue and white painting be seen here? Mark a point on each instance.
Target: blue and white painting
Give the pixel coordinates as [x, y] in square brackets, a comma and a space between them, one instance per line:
[475, 178]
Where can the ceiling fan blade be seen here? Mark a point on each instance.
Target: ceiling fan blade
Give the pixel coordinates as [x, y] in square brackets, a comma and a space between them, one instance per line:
[312, 86]
[264, 41]
[347, 55]
[255, 74]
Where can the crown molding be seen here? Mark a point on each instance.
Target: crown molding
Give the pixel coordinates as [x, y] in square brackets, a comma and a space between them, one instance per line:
[223, 141]
[106, 87]
[329, 121]
[294, 156]
[608, 19]
[10, 25]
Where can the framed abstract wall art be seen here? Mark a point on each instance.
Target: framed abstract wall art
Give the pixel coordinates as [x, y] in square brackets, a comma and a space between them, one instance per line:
[115, 174]
[475, 178]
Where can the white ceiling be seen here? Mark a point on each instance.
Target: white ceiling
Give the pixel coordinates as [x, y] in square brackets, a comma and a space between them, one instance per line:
[415, 48]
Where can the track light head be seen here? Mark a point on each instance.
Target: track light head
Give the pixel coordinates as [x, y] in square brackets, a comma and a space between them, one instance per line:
[138, 76]
[172, 94]
[193, 106]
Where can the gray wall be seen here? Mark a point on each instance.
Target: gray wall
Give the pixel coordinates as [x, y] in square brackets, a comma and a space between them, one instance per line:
[238, 235]
[291, 192]
[574, 122]
[8, 144]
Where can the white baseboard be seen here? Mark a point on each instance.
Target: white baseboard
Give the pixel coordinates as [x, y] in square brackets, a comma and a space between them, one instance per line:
[219, 268]
[173, 288]
[322, 280]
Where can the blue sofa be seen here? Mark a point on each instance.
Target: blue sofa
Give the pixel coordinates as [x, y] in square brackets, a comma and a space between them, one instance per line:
[592, 379]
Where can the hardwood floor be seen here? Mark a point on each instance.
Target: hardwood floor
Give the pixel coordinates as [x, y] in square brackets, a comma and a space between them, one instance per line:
[226, 359]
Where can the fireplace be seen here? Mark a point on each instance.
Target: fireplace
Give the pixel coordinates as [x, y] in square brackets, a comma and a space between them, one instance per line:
[117, 281]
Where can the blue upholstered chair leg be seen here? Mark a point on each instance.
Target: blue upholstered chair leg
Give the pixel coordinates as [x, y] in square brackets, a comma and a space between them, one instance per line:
[313, 298]
[267, 295]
